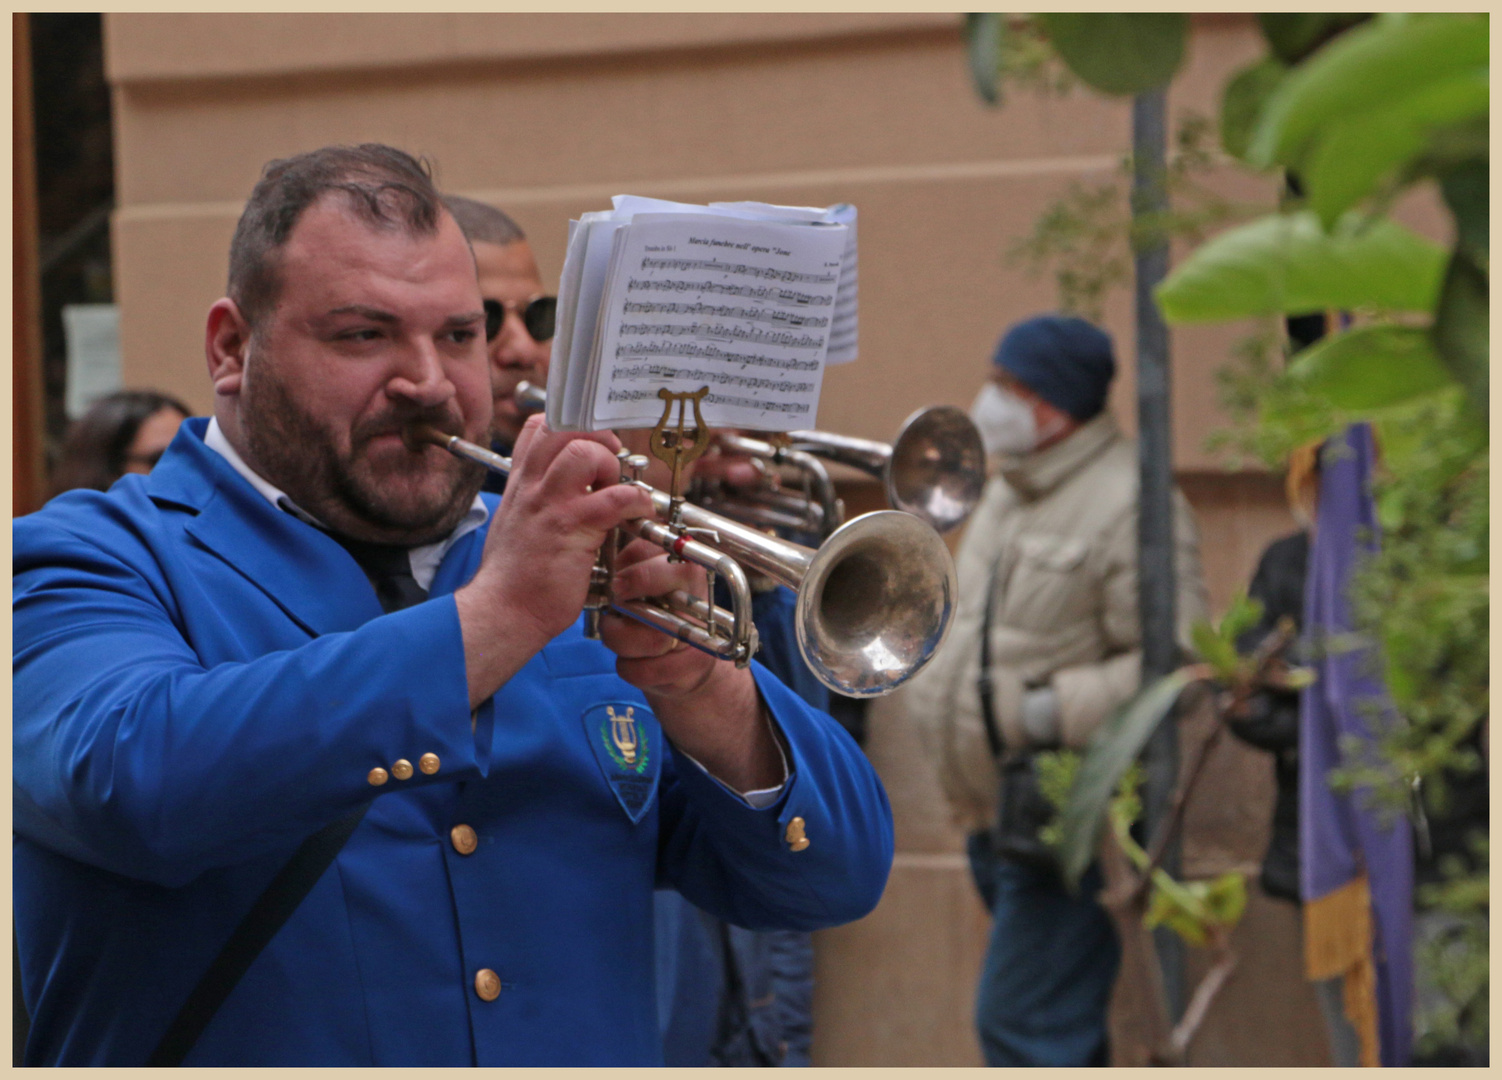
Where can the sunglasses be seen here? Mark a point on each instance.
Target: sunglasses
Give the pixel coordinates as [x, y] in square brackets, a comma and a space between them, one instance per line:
[538, 316]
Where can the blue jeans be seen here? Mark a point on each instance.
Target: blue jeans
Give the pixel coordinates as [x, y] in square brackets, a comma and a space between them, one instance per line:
[1052, 960]
[729, 996]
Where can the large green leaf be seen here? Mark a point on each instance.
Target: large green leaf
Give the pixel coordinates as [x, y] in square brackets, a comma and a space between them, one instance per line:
[1368, 67]
[1111, 752]
[1119, 53]
[1292, 36]
[1241, 102]
[1356, 152]
[1374, 367]
[1462, 327]
[983, 46]
[1467, 194]
[1286, 264]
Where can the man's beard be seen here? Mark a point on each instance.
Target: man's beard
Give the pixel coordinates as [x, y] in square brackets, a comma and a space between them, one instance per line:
[403, 502]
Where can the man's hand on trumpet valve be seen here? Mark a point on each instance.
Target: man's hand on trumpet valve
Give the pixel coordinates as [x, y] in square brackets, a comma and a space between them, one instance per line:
[562, 500]
[708, 707]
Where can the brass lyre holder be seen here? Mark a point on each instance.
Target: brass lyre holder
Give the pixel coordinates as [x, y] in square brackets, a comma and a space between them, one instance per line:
[676, 445]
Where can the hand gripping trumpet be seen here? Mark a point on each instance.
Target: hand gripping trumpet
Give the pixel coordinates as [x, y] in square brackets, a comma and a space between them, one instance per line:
[875, 601]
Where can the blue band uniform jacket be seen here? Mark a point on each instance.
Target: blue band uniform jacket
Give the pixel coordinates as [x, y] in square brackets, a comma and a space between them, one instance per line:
[201, 681]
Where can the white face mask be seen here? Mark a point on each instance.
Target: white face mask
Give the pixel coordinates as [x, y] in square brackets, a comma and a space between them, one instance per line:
[1005, 421]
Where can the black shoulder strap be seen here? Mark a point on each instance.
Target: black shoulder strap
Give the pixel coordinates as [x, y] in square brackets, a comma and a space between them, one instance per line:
[271, 910]
[983, 680]
[20, 1021]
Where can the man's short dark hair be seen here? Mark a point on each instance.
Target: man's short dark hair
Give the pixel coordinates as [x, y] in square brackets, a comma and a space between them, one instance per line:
[481, 223]
[382, 185]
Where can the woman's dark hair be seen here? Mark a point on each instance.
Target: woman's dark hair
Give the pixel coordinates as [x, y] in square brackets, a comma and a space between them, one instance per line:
[93, 454]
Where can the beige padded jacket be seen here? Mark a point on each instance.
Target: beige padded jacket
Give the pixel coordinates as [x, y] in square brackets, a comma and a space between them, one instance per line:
[1056, 536]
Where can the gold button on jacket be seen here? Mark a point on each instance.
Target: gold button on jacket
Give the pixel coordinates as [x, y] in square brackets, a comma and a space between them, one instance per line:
[487, 984]
[795, 837]
[428, 763]
[376, 776]
[464, 839]
[401, 768]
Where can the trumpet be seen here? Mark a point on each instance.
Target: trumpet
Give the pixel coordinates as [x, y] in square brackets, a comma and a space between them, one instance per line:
[874, 602]
[935, 468]
[530, 398]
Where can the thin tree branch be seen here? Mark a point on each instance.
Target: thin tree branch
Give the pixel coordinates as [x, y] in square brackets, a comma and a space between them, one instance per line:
[1161, 842]
[1199, 1005]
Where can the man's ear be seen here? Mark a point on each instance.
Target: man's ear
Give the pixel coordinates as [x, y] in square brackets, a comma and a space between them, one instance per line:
[226, 345]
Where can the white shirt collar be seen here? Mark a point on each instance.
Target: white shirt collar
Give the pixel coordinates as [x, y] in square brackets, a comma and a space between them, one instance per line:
[425, 559]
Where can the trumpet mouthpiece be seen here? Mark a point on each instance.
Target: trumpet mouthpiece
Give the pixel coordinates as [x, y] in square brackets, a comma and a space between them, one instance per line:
[416, 436]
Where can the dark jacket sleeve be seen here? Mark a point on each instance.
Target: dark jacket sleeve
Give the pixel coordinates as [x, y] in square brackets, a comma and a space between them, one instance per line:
[1272, 720]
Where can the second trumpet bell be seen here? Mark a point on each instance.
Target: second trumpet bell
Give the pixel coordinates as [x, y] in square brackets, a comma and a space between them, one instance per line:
[935, 468]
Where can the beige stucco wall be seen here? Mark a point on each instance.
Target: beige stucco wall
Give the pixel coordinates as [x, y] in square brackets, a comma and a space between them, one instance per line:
[550, 115]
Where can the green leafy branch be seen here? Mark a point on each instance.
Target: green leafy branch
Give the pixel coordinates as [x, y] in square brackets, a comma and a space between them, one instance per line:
[1098, 801]
[1086, 237]
[1192, 909]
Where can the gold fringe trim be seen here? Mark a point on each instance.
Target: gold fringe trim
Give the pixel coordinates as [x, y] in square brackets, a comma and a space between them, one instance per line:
[1301, 485]
[1338, 941]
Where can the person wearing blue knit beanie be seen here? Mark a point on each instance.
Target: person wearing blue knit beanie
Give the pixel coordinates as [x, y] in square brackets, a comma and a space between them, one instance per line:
[1051, 374]
[1044, 647]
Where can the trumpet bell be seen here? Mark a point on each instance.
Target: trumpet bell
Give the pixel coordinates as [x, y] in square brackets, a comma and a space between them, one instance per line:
[938, 466]
[876, 603]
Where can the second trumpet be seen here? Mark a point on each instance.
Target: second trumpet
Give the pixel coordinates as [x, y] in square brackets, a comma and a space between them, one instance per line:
[935, 468]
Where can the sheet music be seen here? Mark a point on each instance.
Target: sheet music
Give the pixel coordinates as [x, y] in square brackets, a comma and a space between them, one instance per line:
[581, 289]
[842, 341]
[842, 338]
[745, 307]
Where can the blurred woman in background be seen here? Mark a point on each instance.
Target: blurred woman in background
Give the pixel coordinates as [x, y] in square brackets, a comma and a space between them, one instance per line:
[123, 432]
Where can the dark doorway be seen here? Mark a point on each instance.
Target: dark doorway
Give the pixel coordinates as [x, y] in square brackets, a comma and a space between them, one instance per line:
[75, 183]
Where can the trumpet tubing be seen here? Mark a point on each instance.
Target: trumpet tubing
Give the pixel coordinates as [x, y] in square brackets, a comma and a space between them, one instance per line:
[822, 513]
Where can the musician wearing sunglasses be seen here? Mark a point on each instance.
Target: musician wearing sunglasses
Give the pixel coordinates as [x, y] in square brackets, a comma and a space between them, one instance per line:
[518, 314]
[313, 764]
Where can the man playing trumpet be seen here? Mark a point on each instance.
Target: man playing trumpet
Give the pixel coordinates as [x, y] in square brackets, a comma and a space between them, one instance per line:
[312, 762]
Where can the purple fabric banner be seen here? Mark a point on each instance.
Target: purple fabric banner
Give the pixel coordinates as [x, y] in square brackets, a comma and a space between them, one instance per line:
[1341, 835]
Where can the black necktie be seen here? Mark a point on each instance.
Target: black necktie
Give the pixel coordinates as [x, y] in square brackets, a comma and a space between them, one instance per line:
[389, 568]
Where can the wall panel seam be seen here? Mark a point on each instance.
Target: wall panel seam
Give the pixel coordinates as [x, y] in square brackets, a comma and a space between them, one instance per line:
[465, 63]
[687, 187]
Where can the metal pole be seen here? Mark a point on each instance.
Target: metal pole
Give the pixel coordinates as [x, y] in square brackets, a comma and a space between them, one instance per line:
[1156, 590]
